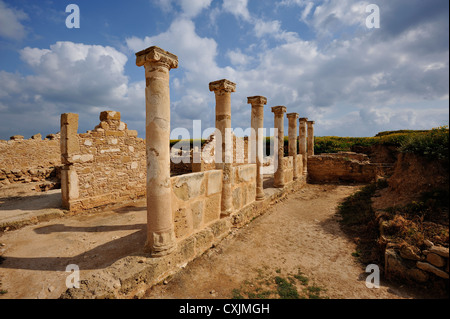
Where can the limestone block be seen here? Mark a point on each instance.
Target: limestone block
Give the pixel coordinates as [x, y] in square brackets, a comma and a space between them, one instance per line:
[82, 158]
[197, 214]
[435, 260]
[237, 198]
[16, 138]
[246, 173]
[109, 115]
[37, 137]
[214, 182]
[203, 240]
[212, 208]
[439, 250]
[181, 222]
[430, 268]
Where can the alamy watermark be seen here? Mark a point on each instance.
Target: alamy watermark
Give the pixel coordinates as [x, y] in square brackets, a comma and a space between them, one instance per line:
[373, 19]
[373, 279]
[73, 19]
[73, 280]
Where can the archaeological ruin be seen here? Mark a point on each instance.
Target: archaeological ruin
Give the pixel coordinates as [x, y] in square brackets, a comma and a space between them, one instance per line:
[227, 182]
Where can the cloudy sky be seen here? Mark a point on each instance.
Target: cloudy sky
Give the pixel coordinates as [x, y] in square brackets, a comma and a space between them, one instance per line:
[318, 58]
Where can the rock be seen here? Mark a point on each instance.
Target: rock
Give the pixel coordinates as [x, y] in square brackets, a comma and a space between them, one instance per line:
[428, 243]
[430, 268]
[435, 260]
[37, 137]
[16, 138]
[409, 252]
[439, 250]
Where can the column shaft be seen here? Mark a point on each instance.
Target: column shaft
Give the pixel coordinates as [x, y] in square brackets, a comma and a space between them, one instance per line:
[256, 141]
[222, 90]
[160, 228]
[310, 138]
[292, 133]
[279, 127]
[302, 143]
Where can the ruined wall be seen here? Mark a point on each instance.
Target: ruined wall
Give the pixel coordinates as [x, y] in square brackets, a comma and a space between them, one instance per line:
[31, 160]
[243, 185]
[103, 166]
[195, 201]
[337, 168]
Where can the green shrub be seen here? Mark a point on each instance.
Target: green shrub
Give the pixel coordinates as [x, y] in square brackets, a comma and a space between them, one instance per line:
[431, 144]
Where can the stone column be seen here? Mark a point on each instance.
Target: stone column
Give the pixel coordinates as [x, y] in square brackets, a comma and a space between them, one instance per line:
[302, 143]
[292, 133]
[69, 146]
[160, 228]
[256, 140]
[222, 90]
[311, 138]
[279, 127]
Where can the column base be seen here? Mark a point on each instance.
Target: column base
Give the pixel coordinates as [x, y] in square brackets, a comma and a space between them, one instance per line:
[260, 197]
[159, 245]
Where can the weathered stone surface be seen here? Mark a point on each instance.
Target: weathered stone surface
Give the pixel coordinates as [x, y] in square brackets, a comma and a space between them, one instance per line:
[410, 252]
[16, 138]
[439, 250]
[109, 116]
[214, 182]
[435, 260]
[430, 268]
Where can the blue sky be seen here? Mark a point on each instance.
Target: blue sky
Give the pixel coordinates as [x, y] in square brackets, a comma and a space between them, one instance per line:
[318, 58]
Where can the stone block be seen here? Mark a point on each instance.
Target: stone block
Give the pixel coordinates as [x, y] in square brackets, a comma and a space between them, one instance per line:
[212, 208]
[109, 115]
[214, 182]
[237, 194]
[197, 214]
[435, 260]
[430, 268]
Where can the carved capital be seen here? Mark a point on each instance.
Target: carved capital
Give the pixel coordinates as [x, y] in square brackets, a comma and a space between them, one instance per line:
[256, 100]
[303, 120]
[292, 115]
[222, 86]
[157, 55]
[311, 122]
[279, 110]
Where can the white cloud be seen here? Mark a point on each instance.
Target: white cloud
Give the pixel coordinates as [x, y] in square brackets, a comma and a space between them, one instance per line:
[11, 22]
[238, 58]
[189, 8]
[237, 7]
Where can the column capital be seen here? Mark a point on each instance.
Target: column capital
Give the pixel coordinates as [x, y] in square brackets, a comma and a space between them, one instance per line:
[256, 100]
[292, 115]
[279, 109]
[311, 122]
[156, 54]
[303, 119]
[222, 86]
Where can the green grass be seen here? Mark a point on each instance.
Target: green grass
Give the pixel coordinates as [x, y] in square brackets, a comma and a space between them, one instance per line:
[285, 289]
[267, 286]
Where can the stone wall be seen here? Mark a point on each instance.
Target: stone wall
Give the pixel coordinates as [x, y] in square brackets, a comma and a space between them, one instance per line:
[103, 166]
[195, 201]
[243, 185]
[32, 160]
[420, 266]
[340, 168]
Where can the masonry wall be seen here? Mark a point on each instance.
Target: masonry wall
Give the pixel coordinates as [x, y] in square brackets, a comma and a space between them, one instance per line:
[195, 201]
[338, 168]
[103, 166]
[32, 160]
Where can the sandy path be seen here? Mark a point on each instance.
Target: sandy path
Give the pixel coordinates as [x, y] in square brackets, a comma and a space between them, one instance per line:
[302, 232]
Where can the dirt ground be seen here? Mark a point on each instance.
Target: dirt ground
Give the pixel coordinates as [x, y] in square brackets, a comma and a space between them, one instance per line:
[300, 233]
